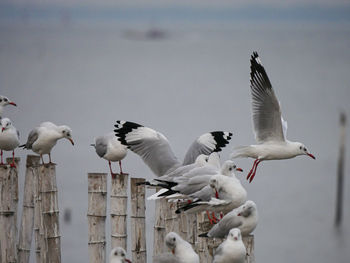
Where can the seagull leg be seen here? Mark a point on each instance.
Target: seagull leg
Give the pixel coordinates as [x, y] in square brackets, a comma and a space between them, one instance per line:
[120, 166]
[251, 170]
[214, 218]
[210, 220]
[110, 168]
[13, 159]
[253, 174]
[2, 162]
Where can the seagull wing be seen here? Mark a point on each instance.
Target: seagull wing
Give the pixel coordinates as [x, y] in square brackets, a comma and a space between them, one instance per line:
[267, 117]
[152, 146]
[206, 144]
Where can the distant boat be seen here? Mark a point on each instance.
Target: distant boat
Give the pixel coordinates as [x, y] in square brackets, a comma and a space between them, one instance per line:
[150, 34]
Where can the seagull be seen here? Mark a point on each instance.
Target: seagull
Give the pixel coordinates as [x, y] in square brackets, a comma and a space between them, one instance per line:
[232, 250]
[269, 126]
[155, 150]
[117, 255]
[43, 138]
[4, 101]
[227, 193]
[182, 250]
[9, 139]
[108, 147]
[244, 217]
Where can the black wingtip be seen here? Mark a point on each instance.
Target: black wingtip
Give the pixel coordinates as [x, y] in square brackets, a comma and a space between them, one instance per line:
[221, 138]
[203, 235]
[123, 128]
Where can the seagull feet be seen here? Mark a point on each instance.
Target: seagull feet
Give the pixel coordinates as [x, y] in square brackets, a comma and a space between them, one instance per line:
[114, 175]
[13, 165]
[212, 219]
[52, 163]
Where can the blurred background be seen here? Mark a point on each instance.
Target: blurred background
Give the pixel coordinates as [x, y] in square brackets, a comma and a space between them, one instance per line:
[182, 68]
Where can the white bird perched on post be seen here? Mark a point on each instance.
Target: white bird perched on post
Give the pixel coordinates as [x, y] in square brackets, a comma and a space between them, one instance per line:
[269, 127]
[9, 139]
[244, 217]
[118, 255]
[4, 101]
[181, 251]
[232, 250]
[109, 148]
[42, 139]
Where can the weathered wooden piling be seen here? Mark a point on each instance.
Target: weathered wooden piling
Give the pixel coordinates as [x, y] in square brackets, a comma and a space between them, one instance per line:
[50, 213]
[191, 229]
[97, 204]
[159, 226]
[27, 220]
[118, 210]
[8, 211]
[201, 245]
[171, 218]
[138, 224]
[340, 172]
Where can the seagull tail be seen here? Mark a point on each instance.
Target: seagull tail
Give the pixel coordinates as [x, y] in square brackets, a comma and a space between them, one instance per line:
[241, 151]
[203, 235]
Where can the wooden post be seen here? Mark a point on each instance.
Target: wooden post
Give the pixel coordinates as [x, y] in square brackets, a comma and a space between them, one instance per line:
[201, 244]
[171, 218]
[159, 226]
[341, 167]
[138, 224]
[50, 213]
[119, 201]
[27, 221]
[97, 204]
[8, 206]
[39, 237]
[191, 229]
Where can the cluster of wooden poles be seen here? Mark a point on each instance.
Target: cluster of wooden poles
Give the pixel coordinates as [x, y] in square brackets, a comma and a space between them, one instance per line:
[40, 218]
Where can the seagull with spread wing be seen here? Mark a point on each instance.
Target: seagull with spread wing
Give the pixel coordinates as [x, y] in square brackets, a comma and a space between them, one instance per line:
[269, 127]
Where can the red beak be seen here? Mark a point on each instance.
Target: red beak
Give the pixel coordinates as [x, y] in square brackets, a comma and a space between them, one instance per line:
[239, 214]
[235, 238]
[313, 157]
[12, 103]
[127, 260]
[71, 141]
[216, 194]
[239, 169]
[2, 129]
[173, 251]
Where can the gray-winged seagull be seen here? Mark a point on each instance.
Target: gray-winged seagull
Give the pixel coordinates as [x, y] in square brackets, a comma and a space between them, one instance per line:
[9, 139]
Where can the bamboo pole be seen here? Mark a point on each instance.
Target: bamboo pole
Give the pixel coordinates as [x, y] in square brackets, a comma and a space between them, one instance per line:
[159, 226]
[50, 213]
[341, 168]
[8, 203]
[27, 221]
[138, 224]
[38, 222]
[119, 202]
[97, 204]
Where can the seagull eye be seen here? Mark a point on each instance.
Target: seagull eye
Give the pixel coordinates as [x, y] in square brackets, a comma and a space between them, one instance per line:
[116, 253]
[5, 100]
[0, 100]
[305, 150]
[174, 239]
[230, 169]
[123, 255]
[68, 134]
[300, 147]
[63, 132]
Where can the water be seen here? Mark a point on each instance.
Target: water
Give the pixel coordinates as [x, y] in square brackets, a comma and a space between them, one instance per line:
[193, 81]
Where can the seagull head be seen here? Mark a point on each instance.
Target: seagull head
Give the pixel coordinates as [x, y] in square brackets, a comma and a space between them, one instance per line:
[5, 124]
[214, 183]
[230, 167]
[5, 101]
[170, 241]
[66, 132]
[234, 234]
[301, 150]
[118, 255]
[247, 209]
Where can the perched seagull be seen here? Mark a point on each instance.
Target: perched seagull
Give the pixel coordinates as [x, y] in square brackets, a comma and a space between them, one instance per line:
[232, 250]
[182, 250]
[4, 101]
[269, 127]
[227, 194]
[109, 148]
[154, 148]
[117, 255]
[9, 139]
[244, 217]
[43, 138]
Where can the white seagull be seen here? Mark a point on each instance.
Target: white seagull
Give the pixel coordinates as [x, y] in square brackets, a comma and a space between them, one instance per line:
[43, 138]
[109, 148]
[118, 255]
[232, 250]
[155, 150]
[4, 101]
[9, 139]
[269, 127]
[181, 250]
[244, 217]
